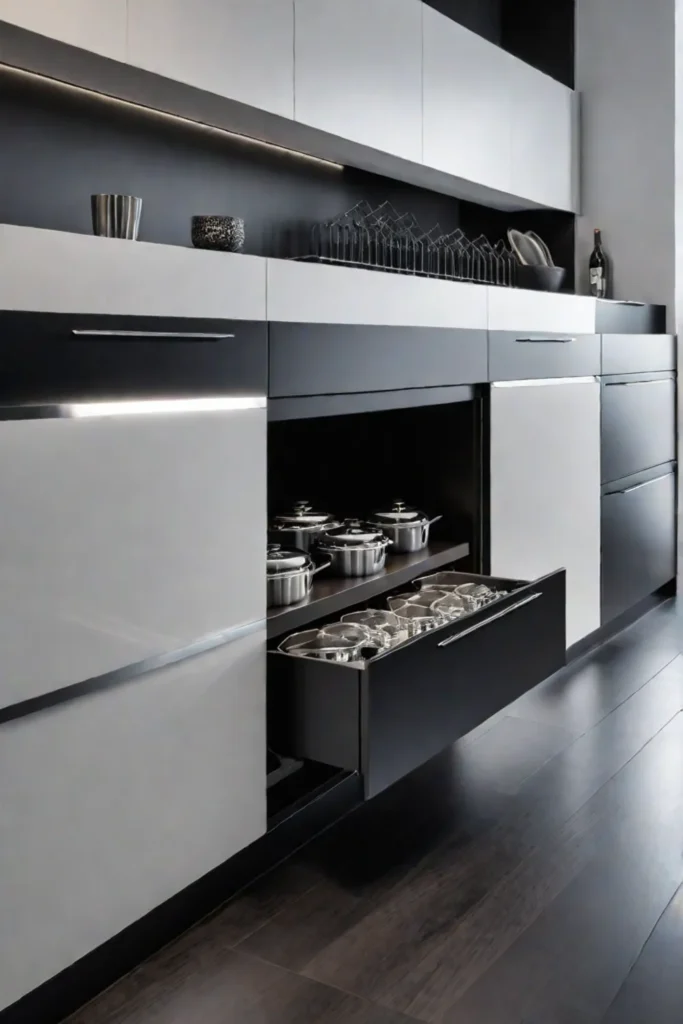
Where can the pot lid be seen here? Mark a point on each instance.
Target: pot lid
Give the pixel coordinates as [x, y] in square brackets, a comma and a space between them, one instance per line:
[399, 514]
[302, 516]
[281, 561]
[353, 534]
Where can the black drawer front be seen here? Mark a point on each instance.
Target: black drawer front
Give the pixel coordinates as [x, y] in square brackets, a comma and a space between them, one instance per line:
[516, 355]
[629, 318]
[638, 426]
[322, 359]
[638, 542]
[638, 353]
[411, 703]
[69, 357]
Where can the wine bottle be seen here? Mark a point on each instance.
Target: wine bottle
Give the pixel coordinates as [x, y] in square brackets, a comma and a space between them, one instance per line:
[598, 269]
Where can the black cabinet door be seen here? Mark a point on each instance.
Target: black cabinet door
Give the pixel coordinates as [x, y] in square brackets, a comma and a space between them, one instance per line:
[524, 355]
[638, 541]
[638, 426]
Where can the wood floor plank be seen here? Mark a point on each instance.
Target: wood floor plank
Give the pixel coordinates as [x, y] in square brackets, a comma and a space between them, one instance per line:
[653, 990]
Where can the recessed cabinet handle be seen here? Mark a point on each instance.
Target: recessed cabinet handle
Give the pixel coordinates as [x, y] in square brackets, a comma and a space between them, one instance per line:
[491, 618]
[637, 383]
[172, 335]
[544, 341]
[628, 302]
[636, 487]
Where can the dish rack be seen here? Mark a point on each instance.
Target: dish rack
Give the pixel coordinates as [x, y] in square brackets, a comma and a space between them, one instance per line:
[380, 238]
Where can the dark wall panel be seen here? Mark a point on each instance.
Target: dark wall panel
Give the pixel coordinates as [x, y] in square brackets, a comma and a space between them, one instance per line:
[480, 16]
[59, 146]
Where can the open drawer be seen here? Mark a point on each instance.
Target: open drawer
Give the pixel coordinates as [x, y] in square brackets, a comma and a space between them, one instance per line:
[387, 715]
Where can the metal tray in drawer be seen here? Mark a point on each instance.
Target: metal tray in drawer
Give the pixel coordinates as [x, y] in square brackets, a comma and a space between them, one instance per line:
[386, 716]
[521, 355]
[638, 428]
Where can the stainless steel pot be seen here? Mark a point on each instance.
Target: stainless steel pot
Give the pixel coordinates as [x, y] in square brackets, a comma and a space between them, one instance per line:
[313, 643]
[289, 575]
[302, 525]
[354, 549]
[406, 527]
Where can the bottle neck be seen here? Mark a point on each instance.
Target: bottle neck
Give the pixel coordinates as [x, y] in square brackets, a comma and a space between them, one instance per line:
[598, 240]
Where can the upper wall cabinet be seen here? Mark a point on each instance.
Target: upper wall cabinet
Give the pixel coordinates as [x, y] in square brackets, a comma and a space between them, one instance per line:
[98, 25]
[243, 49]
[467, 130]
[359, 71]
[542, 138]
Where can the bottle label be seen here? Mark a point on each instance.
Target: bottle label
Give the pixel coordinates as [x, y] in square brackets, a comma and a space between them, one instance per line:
[598, 282]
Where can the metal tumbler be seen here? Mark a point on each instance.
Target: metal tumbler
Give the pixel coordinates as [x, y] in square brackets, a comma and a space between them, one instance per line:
[116, 216]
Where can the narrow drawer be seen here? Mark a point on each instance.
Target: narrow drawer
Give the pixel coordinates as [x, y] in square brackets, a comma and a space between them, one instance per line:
[58, 357]
[524, 355]
[326, 359]
[638, 353]
[386, 716]
[613, 317]
[638, 541]
[638, 425]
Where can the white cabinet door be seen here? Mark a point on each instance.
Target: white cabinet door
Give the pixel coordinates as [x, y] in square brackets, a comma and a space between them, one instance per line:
[243, 49]
[113, 803]
[98, 25]
[358, 71]
[545, 489]
[543, 158]
[126, 537]
[467, 130]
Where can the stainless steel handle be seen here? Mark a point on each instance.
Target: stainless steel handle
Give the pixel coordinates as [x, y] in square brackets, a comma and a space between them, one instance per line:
[319, 568]
[492, 618]
[544, 341]
[434, 520]
[182, 335]
[628, 302]
[637, 383]
[636, 487]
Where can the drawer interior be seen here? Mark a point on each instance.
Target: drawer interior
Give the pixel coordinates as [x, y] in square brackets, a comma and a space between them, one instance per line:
[386, 715]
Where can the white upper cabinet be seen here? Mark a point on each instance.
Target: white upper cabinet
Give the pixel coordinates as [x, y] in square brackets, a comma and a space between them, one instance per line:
[359, 71]
[467, 130]
[542, 138]
[98, 25]
[242, 49]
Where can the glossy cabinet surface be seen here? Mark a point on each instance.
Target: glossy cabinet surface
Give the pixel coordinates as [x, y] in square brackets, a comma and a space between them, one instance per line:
[112, 804]
[524, 355]
[97, 25]
[638, 540]
[638, 425]
[467, 114]
[358, 71]
[545, 489]
[242, 49]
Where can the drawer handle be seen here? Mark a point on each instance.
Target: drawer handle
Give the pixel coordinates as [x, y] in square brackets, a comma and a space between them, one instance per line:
[172, 335]
[628, 302]
[637, 383]
[491, 618]
[636, 487]
[544, 341]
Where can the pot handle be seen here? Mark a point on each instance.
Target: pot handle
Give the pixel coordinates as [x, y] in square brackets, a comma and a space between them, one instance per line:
[434, 520]
[319, 568]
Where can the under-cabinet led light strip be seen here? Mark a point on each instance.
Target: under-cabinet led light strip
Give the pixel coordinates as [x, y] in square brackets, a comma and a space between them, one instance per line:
[167, 116]
[157, 406]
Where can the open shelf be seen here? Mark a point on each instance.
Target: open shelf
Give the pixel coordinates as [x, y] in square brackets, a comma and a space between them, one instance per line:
[330, 595]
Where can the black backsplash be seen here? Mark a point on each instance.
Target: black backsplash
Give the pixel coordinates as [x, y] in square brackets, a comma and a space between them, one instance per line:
[59, 146]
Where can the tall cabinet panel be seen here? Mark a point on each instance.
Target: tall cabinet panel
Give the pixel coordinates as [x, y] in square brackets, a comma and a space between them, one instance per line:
[467, 114]
[359, 71]
[545, 489]
[243, 49]
[98, 25]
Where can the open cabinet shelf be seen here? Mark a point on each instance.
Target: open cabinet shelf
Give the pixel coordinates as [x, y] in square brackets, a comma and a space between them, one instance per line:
[330, 595]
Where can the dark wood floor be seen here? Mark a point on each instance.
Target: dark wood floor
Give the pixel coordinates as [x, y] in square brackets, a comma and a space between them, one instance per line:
[533, 875]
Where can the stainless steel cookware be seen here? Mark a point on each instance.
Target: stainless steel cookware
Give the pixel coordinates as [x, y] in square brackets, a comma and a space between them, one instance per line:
[406, 527]
[354, 549]
[313, 643]
[289, 575]
[385, 626]
[418, 611]
[302, 525]
[116, 216]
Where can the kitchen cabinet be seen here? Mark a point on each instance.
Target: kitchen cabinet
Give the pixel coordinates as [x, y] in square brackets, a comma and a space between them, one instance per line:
[98, 25]
[467, 114]
[113, 803]
[638, 424]
[358, 71]
[242, 49]
[542, 120]
[638, 539]
[545, 489]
